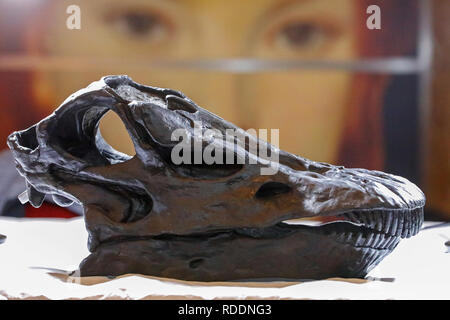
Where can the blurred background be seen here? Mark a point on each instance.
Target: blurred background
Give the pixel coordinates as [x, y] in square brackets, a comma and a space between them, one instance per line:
[338, 91]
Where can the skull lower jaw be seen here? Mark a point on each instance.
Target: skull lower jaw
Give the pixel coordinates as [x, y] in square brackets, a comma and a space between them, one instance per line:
[283, 251]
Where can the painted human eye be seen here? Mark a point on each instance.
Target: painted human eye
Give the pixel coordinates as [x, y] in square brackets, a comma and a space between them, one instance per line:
[140, 24]
[301, 35]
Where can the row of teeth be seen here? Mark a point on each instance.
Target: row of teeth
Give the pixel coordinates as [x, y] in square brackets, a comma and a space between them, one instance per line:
[399, 223]
[36, 198]
[372, 239]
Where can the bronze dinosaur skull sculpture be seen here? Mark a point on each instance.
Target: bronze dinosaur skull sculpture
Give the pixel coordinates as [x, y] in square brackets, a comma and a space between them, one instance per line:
[145, 214]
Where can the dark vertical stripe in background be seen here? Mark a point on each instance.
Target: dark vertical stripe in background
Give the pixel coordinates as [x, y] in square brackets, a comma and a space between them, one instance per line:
[401, 127]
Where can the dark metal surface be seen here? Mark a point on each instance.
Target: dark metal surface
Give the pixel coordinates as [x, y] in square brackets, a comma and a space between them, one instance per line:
[147, 215]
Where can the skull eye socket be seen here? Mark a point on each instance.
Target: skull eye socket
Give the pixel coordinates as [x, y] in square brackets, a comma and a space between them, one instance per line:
[114, 143]
[272, 189]
[77, 133]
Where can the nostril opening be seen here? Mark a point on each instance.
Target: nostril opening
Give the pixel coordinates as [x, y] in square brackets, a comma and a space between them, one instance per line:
[193, 264]
[271, 189]
[28, 139]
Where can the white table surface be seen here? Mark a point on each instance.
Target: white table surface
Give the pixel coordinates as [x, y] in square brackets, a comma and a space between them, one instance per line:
[38, 252]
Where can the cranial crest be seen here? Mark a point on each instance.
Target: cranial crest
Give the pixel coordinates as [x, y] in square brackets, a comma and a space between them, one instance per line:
[152, 215]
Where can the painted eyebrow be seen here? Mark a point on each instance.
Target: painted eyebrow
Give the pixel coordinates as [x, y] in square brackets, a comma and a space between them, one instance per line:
[283, 4]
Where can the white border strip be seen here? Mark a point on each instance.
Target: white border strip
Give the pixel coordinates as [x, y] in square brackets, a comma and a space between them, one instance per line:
[391, 65]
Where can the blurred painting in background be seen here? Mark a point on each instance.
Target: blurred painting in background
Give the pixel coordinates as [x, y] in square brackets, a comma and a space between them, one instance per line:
[339, 91]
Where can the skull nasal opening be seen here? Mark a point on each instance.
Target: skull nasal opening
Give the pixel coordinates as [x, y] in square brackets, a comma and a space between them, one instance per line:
[272, 189]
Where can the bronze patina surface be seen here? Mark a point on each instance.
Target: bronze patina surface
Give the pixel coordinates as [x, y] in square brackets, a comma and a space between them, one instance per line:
[145, 214]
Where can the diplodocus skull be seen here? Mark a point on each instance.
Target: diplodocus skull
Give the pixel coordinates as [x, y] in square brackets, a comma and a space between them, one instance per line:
[145, 214]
